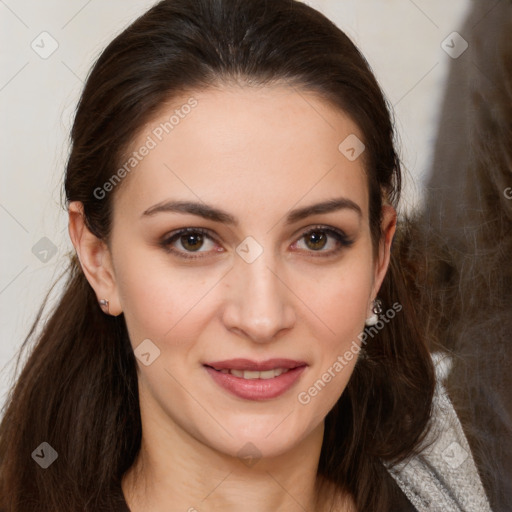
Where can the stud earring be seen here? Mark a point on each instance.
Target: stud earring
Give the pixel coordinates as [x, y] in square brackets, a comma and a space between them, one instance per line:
[377, 310]
[104, 306]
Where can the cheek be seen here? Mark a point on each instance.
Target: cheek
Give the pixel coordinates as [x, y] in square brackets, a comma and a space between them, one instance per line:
[339, 297]
[344, 302]
[339, 301]
[161, 302]
[149, 295]
[146, 302]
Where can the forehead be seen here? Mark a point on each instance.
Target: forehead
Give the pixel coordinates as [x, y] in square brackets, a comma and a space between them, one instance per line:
[273, 145]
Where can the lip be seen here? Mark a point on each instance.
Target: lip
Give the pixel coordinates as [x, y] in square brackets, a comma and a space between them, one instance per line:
[261, 366]
[256, 389]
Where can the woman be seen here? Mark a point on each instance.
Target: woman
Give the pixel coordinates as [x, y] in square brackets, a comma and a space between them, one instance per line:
[232, 191]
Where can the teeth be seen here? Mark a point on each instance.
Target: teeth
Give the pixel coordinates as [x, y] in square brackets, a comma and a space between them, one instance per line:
[268, 374]
[250, 374]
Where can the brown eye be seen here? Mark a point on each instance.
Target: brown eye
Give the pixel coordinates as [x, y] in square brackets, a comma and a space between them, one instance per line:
[192, 241]
[185, 242]
[326, 241]
[315, 240]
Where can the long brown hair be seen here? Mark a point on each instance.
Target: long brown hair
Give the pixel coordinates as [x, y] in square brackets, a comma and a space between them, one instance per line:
[78, 389]
[467, 280]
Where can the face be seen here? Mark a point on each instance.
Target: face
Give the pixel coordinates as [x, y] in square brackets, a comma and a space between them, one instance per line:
[243, 234]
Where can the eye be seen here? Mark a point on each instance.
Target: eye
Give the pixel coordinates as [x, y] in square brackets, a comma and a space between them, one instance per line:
[195, 243]
[185, 242]
[324, 240]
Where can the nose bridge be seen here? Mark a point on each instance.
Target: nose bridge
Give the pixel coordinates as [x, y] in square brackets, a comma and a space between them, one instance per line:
[261, 306]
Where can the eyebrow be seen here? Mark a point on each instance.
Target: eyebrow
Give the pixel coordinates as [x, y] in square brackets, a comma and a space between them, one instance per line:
[218, 215]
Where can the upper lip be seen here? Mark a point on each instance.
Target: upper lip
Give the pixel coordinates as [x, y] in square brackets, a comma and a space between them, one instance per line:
[248, 364]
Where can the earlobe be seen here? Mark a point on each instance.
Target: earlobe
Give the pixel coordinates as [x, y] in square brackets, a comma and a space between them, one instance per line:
[95, 260]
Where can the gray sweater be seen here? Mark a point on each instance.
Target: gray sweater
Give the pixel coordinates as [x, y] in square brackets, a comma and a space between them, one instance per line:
[443, 478]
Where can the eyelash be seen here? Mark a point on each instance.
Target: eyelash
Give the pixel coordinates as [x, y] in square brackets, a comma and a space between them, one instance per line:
[342, 239]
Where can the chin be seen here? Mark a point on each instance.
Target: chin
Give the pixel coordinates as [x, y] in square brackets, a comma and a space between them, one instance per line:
[268, 436]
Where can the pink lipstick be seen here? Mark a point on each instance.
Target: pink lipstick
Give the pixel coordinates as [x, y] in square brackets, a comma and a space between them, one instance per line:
[254, 380]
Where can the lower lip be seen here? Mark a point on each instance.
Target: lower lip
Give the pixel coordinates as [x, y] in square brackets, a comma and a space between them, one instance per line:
[256, 389]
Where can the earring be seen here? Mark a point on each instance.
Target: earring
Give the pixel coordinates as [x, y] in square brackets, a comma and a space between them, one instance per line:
[377, 310]
[104, 306]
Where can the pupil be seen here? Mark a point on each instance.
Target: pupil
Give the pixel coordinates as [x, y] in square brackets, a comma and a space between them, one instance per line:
[192, 242]
[316, 240]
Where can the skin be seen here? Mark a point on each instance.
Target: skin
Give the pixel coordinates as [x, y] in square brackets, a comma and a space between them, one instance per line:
[256, 153]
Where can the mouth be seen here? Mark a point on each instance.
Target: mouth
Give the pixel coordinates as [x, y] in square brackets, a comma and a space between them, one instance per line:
[253, 380]
[250, 374]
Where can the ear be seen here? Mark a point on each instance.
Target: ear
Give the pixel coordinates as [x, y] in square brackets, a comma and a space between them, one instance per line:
[388, 228]
[95, 258]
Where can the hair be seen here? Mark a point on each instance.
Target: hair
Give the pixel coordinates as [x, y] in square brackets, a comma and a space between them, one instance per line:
[465, 291]
[78, 389]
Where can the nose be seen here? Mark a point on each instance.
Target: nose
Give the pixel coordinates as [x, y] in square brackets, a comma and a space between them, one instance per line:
[259, 305]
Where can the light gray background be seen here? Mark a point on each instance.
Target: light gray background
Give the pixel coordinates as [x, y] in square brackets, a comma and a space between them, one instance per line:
[400, 38]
